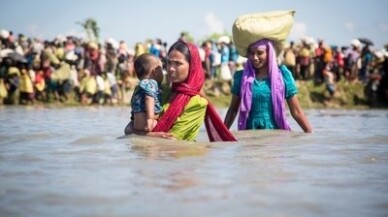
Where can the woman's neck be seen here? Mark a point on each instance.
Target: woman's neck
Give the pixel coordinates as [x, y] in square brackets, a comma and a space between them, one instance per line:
[261, 72]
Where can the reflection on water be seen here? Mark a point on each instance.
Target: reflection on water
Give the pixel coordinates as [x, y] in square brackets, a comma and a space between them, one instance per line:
[75, 162]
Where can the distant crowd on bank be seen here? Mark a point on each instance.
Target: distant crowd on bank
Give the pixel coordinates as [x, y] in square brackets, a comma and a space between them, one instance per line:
[70, 68]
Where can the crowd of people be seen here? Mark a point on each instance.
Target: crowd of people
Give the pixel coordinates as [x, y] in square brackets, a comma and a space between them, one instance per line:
[34, 70]
[358, 62]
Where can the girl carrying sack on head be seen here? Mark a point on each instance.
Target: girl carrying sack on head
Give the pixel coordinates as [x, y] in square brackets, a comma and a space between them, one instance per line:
[260, 90]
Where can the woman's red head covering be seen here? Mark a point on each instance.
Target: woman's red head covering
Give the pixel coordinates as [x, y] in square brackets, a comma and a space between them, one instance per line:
[215, 128]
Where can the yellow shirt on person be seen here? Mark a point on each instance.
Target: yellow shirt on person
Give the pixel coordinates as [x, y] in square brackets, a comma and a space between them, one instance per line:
[188, 124]
[25, 84]
[88, 85]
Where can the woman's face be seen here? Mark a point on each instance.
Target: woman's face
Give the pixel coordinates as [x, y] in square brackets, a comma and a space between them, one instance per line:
[177, 67]
[258, 56]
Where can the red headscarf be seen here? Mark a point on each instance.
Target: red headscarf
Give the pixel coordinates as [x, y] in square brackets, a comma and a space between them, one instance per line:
[215, 128]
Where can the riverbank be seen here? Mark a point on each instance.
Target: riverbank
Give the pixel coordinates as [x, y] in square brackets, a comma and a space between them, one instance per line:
[311, 96]
[347, 95]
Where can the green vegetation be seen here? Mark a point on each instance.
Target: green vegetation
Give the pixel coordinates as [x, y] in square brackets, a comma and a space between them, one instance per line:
[347, 96]
[91, 29]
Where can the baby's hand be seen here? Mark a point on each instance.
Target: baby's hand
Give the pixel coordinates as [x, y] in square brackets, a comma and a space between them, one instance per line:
[150, 125]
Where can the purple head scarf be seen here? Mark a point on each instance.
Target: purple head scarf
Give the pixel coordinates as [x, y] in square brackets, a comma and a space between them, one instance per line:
[277, 88]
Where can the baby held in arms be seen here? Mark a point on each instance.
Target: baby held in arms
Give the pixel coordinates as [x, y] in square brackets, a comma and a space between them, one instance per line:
[146, 99]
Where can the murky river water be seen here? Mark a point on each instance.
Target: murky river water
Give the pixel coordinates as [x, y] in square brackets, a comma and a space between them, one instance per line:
[70, 162]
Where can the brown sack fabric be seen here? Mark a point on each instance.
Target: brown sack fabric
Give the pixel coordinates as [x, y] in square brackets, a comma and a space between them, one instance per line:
[273, 25]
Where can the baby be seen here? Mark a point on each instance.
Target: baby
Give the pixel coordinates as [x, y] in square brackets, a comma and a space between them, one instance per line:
[146, 99]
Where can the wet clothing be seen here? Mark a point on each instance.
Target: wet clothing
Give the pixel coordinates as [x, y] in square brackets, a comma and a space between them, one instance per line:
[187, 125]
[188, 109]
[261, 113]
[150, 88]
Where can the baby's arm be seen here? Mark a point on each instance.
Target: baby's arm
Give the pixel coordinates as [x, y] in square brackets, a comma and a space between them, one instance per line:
[150, 113]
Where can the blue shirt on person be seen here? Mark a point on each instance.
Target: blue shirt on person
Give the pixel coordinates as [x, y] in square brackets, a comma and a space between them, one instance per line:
[261, 113]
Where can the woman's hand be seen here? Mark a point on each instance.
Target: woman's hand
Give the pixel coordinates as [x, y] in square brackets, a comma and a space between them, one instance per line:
[129, 130]
[151, 123]
[298, 114]
[161, 135]
[232, 111]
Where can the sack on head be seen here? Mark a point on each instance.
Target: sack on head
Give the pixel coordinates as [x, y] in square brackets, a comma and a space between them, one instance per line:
[273, 25]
